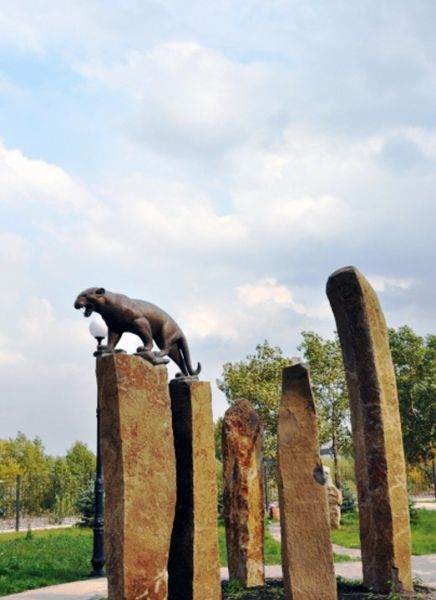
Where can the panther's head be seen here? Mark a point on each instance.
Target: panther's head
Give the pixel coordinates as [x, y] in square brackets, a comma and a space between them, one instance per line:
[90, 300]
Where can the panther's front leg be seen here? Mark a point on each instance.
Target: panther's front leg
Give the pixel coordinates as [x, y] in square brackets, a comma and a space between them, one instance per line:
[113, 338]
[143, 329]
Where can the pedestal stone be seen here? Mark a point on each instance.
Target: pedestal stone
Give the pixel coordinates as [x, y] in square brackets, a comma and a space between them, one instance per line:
[307, 556]
[242, 442]
[375, 419]
[140, 476]
[335, 499]
[193, 567]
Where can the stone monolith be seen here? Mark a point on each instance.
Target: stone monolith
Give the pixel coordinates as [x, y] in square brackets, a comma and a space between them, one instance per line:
[193, 567]
[375, 420]
[307, 556]
[335, 499]
[244, 513]
[140, 475]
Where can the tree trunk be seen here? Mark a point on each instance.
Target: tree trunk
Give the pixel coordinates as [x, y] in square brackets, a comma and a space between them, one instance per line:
[433, 465]
[336, 461]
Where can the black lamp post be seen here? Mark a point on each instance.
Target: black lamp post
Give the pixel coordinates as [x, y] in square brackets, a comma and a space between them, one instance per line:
[98, 330]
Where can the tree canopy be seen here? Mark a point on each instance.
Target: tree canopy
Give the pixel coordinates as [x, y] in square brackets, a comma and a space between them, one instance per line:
[258, 378]
[329, 388]
[48, 483]
[414, 359]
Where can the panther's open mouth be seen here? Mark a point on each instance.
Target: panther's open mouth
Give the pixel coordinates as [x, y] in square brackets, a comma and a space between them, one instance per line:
[88, 310]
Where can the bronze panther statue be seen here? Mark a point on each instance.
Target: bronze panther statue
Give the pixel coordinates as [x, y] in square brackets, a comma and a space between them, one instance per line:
[149, 322]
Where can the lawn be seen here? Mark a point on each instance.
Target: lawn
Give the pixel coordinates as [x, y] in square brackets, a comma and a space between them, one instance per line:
[51, 557]
[423, 532]
[44, 558]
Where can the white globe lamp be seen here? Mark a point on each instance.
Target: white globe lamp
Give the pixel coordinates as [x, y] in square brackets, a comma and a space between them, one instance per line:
[98, 330]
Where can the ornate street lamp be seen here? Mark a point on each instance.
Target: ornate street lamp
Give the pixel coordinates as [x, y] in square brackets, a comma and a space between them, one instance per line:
[98, 330]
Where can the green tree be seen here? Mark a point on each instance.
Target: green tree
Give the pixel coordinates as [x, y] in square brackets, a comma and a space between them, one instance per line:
[217, 431]
[70, 474]
[27, 458]
[414, 359]
[258, 378]
[81, 463]
[330, 392]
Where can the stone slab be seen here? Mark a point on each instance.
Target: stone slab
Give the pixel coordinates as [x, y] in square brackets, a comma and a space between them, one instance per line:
[244, 513]
[140, 477]
[194, 572]
[376, 426]
[307, 555]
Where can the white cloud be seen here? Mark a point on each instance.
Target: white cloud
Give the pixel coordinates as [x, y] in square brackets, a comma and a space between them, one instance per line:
[36, 182]
[202, 321]
[15, 254]
[9, 88]
[383, 283]
[269, 290]
[299, 141]
[193, 99]
[9, 357]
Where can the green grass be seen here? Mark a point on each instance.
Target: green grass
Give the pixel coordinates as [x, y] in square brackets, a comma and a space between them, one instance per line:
[45, 558]
[272, 548]
[348, 534]
[423, 532]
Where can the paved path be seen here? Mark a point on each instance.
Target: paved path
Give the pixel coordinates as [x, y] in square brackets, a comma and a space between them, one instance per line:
[423, 567]
[96, 589]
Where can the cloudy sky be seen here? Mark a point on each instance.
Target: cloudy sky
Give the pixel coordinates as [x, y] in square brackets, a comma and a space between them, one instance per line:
[218, 158]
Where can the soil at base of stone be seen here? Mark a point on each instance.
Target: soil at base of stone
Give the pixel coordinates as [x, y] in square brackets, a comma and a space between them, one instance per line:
[273, 590]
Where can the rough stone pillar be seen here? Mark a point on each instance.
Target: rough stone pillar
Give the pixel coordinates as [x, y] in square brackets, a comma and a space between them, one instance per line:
[335, 499]
[242, 442]
[375, 420]
[307, 556]
[140, 476]
[193, 567]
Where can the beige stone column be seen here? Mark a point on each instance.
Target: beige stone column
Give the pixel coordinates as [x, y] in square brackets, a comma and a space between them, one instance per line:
[377, 438]
[140, 476]
[193, 567]
[242, 444]
[307, 556]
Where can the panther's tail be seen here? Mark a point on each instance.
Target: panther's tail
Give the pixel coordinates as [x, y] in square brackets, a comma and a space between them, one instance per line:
[184, 351]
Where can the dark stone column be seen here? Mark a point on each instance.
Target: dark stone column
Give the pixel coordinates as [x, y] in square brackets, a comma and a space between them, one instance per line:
[377, 438]
[193, 567]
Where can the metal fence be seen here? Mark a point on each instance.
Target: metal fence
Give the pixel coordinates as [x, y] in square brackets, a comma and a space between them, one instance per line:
[28, 503]
[422, 480]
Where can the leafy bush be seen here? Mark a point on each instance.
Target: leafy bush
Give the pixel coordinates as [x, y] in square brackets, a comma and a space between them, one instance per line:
[85, 505]
[349, 501]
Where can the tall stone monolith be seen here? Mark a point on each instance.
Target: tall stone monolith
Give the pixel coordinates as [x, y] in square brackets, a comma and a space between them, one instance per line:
[140, 475]
[307, 556]
[335, 499]
[377, 438]
[193, 567]
[244, 513]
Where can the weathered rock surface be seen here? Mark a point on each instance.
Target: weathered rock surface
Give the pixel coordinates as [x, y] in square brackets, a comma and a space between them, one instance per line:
[307, 556]
[140, 476]
[242, 443]
[194, 571]
[377, 438]
[334, 497]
